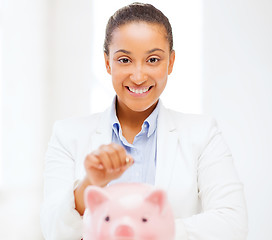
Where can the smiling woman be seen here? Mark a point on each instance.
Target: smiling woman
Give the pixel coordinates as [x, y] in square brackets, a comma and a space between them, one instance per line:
[139, 140]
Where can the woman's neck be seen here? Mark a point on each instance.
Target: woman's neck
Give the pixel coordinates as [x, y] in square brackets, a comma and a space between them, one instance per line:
[131, 118]
[131, 121]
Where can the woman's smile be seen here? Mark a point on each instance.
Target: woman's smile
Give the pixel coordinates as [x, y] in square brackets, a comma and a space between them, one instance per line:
[139, 91]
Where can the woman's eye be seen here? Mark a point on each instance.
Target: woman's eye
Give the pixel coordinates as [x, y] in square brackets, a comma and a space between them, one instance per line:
[124, 60]
[153, 60]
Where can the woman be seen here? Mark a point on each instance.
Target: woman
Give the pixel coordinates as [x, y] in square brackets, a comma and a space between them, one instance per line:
[138, 140]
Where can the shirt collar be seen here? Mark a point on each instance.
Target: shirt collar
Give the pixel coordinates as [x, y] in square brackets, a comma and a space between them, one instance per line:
[113, 118]
[152, 120]
[150, 123]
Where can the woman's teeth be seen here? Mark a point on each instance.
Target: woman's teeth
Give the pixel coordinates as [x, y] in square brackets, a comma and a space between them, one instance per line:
[138, 91]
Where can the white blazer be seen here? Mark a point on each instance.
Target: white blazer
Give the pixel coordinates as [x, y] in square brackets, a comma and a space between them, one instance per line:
[194, 166]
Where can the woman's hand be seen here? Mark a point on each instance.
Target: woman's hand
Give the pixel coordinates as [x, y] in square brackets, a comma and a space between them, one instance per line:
[107, 163]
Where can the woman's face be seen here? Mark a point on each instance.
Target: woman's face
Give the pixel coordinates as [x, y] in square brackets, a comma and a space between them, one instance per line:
[139, 62]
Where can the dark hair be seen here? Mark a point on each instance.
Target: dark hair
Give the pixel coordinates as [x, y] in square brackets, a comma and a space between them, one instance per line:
[137, 12]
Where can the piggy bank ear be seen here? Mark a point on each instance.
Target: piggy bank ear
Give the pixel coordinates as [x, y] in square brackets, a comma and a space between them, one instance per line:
[94, 196]
[157, 198]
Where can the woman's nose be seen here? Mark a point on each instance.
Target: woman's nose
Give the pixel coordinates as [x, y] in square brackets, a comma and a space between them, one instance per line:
[138, 76]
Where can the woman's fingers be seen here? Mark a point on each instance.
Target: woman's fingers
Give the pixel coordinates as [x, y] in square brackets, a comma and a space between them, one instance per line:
[128, 162]
[107, 163]
[112, 157]
[114, 154]
[92, 161]
[121, 156]
[105, 158]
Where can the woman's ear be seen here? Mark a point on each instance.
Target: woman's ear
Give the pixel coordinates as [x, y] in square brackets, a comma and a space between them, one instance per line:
[107, 63]
[171, 62]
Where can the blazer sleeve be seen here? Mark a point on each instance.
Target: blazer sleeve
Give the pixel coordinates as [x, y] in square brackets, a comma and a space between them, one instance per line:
[224, 214]
[59, 219]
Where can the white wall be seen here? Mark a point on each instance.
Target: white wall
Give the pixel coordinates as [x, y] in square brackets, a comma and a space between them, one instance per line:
[45, 76]
[23, 77]
[23, 116]
[237, 90]
[69, 58]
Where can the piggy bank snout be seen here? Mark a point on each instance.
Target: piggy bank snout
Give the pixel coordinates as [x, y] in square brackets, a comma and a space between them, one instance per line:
[124, 231]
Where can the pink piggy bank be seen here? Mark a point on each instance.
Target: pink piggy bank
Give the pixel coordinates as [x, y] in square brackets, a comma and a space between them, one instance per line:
[127, 211]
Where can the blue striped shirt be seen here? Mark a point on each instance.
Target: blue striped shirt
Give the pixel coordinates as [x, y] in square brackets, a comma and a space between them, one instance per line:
[143, 149]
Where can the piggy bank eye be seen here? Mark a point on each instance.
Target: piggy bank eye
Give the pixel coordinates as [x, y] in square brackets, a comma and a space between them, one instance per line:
[144, 219]
[107, 219]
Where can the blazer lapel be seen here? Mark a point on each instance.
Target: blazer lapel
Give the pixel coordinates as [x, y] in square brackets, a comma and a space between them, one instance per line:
[103, 131]
[167, 142]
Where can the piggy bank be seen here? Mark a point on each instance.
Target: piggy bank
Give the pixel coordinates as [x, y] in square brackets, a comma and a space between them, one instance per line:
[127, 211]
